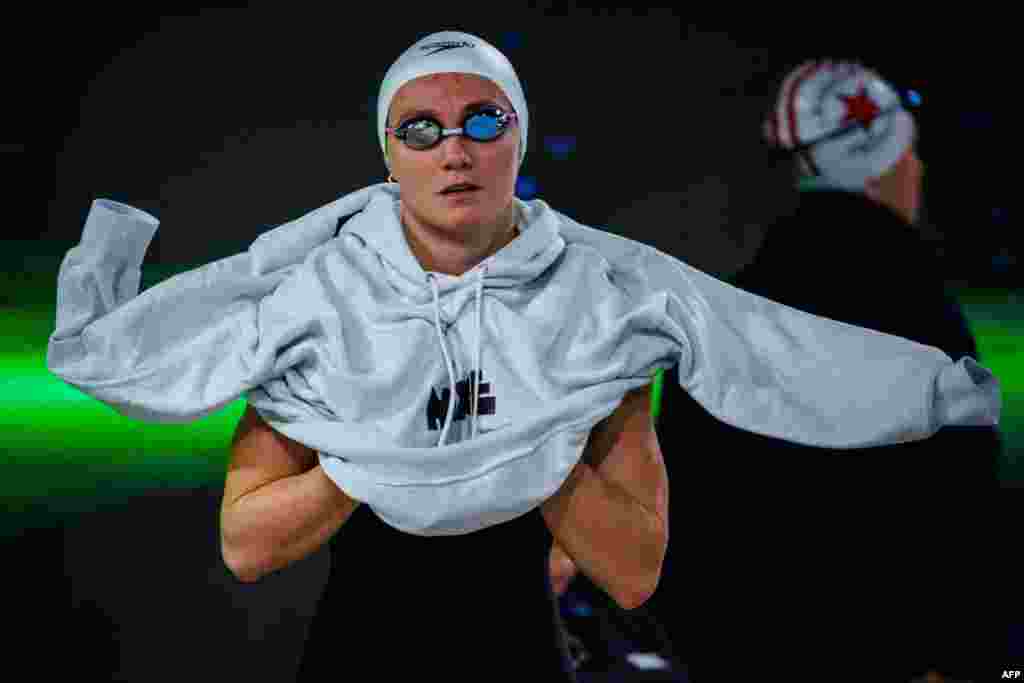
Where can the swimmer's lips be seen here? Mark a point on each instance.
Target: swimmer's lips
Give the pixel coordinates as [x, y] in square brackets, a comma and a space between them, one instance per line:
[460, 187]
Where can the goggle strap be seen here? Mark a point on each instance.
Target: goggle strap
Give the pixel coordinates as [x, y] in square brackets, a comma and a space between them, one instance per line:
[840, 132]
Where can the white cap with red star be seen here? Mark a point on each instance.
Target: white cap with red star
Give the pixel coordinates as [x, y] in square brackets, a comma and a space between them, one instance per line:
[844, 123]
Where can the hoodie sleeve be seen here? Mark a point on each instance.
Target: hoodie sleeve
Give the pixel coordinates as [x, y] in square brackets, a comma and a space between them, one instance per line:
[777, 371]
[180, 350]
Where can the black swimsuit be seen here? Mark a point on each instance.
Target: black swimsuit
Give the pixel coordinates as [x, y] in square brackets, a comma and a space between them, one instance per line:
[470, 607]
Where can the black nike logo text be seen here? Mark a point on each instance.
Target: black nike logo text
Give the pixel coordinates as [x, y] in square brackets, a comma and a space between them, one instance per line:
[445, 45]
[437, 405]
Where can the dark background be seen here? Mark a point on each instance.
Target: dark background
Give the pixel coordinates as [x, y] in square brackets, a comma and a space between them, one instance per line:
[225, 123]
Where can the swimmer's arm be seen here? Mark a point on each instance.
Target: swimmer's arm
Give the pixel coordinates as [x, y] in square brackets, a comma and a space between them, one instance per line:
[611, 515]
[278, 504]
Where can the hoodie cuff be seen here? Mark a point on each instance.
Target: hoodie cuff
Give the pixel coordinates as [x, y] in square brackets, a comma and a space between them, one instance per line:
[967, 394]
[116, 228]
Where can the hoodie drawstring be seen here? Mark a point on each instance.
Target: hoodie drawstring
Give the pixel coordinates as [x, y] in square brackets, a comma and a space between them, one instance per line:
[479, 344]
[447, 359]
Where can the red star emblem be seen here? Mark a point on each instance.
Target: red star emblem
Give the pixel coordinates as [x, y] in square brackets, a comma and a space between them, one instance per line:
[860, 108]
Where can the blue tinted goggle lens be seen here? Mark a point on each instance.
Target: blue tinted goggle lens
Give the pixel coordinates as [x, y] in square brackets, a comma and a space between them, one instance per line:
[483, 126]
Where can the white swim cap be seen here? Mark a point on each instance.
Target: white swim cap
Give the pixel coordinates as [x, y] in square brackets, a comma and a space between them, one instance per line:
[844, 121]
[452, 52]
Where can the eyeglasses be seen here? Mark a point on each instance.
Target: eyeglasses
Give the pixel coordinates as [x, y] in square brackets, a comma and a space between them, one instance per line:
[482, 125]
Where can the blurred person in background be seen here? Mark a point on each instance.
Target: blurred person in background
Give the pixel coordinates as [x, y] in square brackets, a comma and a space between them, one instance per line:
[809, 563]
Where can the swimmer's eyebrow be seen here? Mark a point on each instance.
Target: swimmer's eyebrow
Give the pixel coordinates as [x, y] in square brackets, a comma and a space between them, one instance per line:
[414, 113]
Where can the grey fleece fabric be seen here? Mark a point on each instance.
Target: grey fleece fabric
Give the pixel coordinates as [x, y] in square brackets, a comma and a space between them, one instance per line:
[345, 344]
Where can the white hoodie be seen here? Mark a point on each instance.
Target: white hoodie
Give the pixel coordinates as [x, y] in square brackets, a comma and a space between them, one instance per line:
[343, 343]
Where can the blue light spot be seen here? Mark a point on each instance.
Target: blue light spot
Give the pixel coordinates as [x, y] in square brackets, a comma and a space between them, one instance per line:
[512, 40]
[580, 609]
[1003, 261]
[560, 146]
[526, 187]
[914, 97]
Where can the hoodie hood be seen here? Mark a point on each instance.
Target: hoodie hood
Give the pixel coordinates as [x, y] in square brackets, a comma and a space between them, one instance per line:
[518, 263]
[527, 257]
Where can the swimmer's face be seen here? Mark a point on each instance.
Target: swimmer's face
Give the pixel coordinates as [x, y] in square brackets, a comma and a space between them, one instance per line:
[423, 174]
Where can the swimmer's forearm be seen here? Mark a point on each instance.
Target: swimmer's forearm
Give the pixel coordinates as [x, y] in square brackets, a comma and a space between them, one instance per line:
[282, 522]
[612, 538]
